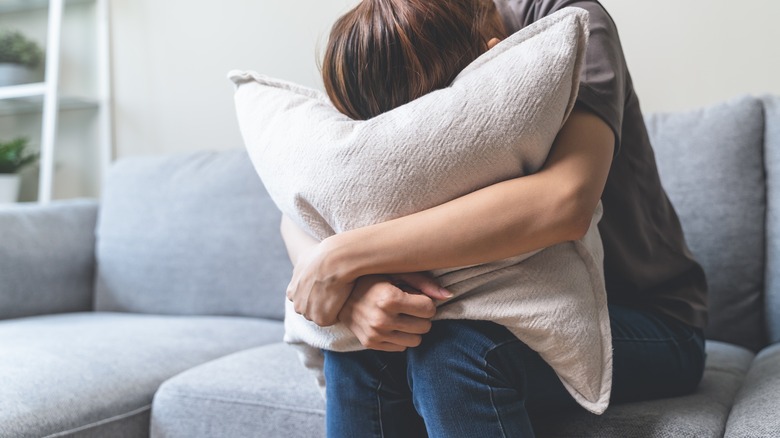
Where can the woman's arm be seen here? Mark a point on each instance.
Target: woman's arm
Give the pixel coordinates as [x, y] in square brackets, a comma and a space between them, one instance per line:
[517, 216]
[513, 217]
[297, 241]
[384, 312]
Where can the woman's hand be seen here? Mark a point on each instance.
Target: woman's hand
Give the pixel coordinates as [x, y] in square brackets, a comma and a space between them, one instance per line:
[391, 313]
[317, 290]
[322, 281]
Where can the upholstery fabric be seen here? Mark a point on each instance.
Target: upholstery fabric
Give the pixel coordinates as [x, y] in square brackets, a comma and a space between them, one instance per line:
[699, 415]
[85, 374]
[133, 424]
[266, 392]
[496, 121]
[772, 156]
[262, 392]
[755, 411]
[711, 163]
[190, 234]
[47, 258]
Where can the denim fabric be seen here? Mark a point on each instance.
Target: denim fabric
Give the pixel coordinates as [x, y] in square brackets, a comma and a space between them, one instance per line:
[475, 379]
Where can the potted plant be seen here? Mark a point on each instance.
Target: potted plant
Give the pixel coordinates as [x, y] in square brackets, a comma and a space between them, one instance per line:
[14, 156]
[20, 58]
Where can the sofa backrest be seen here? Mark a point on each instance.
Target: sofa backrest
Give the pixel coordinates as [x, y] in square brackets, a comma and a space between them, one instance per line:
[47, 257]
[196, 233]
[772, 162]
[711, 163]
[192, 234]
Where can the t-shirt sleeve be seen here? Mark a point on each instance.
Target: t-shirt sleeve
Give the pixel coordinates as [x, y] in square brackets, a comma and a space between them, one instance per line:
[603, 80]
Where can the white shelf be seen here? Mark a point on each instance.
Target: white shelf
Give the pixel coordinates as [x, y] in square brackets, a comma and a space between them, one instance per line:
[46, 98]
[28, 98]
[34, 104]
[7, 6]
[19, 91]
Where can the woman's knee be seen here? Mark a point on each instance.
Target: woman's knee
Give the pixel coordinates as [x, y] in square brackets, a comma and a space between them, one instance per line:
[364, 372]
[462, 363]
[455, 349]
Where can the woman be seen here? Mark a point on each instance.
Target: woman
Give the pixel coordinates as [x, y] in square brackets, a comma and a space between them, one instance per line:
[473, 378]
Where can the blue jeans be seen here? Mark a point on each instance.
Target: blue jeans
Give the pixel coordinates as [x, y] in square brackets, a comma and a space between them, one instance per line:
[475, 379]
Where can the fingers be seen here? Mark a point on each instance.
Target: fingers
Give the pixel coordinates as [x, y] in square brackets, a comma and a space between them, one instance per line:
[390, 348]
[390, 341]
[425, 284]
[409, 304]
[385, 318]
[408, 324]
[323, 309]
[316, 293]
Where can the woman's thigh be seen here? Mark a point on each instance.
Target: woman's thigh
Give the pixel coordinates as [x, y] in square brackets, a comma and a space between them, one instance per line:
[654, 356]
[474, 379]
[482, 368]
[367, 395]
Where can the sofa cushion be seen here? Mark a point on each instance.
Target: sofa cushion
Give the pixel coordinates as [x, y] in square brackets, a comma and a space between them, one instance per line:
[190, 234]
[699, 415]
[266, 392]
[263, 392]
[712, 166]
[772, 157]
[755, 411]
[47, 258]
[92, 374]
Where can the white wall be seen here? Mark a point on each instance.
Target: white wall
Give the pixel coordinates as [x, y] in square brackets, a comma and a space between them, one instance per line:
[171, 57]
[688, 53]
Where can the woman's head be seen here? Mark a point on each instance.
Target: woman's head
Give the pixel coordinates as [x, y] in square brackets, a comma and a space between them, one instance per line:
[385, 53]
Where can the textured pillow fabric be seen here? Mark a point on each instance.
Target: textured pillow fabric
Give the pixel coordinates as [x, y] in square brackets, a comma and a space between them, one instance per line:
[496, 121]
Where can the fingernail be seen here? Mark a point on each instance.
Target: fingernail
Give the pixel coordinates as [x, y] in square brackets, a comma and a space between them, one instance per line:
[445, 293]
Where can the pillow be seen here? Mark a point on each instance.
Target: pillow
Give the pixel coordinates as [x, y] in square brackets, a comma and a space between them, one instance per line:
[496, 121]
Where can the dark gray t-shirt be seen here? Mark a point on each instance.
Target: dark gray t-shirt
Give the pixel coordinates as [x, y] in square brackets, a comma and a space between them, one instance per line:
[647, 263]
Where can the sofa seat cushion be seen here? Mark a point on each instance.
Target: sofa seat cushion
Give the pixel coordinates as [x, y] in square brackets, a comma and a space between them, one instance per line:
[266, 392]
[90, 374]
[263, 392]
[755, 411]
[700, 415]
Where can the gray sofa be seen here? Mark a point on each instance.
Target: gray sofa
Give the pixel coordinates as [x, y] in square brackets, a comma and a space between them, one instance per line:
[158, 311]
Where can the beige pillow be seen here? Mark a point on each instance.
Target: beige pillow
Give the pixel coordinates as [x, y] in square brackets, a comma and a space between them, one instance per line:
[496, 121]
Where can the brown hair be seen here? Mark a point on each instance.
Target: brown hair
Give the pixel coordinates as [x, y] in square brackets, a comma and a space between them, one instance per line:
[385, 53]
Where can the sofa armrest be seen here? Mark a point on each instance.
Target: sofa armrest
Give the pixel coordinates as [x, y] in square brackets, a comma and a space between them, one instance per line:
[754, 413]
[47, 258]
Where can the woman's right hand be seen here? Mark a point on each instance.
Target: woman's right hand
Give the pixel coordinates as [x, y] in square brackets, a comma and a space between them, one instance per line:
[385, 317]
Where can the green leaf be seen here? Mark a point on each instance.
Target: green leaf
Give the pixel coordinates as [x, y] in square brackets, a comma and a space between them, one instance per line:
[14, 155]
[15, 48]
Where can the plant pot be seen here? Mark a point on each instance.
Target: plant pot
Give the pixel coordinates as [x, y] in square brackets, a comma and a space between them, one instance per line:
[15, 74]
[9, 187]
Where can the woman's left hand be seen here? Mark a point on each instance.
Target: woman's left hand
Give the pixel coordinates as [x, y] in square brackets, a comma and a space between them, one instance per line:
[318, 289]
